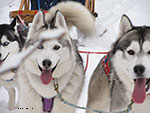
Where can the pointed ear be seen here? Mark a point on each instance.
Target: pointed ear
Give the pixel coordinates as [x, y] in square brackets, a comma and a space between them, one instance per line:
[38, 20]
[60, 20]
[125, 25]
[13, 23]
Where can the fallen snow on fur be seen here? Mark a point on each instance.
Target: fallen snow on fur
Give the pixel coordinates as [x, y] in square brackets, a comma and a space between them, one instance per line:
[14, 62]
[51, 34]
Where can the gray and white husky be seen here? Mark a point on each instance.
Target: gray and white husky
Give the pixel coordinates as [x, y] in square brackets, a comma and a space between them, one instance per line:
[57, 58]
[11, 42]
[128, 67]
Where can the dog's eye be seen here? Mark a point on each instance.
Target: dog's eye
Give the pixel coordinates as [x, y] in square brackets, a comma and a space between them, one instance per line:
[56, 47]
[40, 46]
[131, 52]
[5, 43]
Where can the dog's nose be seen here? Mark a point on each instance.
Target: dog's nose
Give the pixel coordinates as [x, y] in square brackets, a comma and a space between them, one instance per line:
[0, 55]
[46, 63]
[139, 70]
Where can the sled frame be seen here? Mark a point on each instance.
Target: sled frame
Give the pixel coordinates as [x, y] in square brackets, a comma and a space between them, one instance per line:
[28, 15]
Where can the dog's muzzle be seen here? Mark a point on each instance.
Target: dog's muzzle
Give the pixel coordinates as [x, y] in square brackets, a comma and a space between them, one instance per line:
[53, 69]
[2, 60]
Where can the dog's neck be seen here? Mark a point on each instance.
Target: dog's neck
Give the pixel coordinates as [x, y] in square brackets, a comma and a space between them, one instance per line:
[118, 95]
[118, 91]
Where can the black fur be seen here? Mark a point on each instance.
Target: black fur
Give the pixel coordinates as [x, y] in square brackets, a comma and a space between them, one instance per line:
[9, 31]
[122, 43]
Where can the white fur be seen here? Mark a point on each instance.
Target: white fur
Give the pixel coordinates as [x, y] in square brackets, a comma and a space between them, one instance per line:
[75, 14]
[10, 86]
[69, 71]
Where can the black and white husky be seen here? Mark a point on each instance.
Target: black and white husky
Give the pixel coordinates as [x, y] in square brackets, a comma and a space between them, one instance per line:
[128, 68]
[57, 58]
[10, 43]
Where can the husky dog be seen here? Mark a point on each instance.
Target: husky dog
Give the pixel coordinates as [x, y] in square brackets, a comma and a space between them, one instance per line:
[57, 58]
[128, 68]
[10, 43]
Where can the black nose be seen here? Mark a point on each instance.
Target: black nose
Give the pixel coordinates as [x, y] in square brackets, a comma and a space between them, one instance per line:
[0, 55]
[46, 63]
[139, 70]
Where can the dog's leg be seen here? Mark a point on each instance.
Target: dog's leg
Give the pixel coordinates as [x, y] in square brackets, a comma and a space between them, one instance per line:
[11, 102]
[18, 90]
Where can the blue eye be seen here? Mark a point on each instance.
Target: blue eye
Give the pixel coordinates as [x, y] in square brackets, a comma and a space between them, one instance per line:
[5, 43]
[40, 46]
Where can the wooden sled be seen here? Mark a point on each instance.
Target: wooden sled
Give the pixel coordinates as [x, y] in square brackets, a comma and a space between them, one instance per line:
[27, 15]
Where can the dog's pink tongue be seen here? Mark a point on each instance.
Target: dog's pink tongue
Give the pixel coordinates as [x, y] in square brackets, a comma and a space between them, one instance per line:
[139, 92]
[46, 77]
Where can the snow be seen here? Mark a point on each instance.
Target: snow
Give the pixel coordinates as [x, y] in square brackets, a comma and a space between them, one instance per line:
[5, 7]
[109, 12]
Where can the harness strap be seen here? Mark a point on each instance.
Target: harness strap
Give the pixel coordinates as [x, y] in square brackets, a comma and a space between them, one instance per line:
[9, 80]
[106, 66]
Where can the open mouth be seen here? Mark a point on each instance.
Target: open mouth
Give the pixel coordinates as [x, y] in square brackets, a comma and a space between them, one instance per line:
[2, 60]
[46, 75]
[52, 68]
[140, 89]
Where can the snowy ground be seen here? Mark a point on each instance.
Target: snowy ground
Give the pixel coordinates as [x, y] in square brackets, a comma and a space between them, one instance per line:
[110, 12]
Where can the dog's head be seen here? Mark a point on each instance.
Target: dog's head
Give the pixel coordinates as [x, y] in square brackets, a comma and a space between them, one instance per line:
[52, 58]
[131, 56]
[10, 42]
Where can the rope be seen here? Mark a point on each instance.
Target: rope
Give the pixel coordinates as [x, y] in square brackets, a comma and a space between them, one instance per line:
[88, 54]
[39, 5]
[87, 62]
[56, 88]
[22, 22]
[93, 52]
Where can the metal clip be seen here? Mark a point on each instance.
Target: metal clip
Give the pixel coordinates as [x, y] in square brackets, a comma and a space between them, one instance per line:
[56, 86]
[129, 107]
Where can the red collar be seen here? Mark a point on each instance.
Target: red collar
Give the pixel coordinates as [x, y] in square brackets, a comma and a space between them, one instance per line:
[105, 66]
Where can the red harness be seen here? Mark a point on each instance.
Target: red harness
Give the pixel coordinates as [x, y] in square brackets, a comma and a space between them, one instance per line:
[105, 66]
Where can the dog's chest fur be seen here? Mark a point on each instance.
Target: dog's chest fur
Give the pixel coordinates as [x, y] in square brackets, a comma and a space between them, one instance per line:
[31, 98]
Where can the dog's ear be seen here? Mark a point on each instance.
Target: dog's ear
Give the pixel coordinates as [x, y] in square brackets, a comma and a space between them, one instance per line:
[13, 23]
[125, 25]
[38, 20]
[60, 20]
[37, 23]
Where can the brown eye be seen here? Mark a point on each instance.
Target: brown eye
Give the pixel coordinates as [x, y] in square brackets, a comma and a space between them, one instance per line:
[131, 52]
[56, 47]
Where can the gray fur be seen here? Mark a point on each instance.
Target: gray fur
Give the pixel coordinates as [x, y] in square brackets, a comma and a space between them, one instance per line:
[114, 93]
